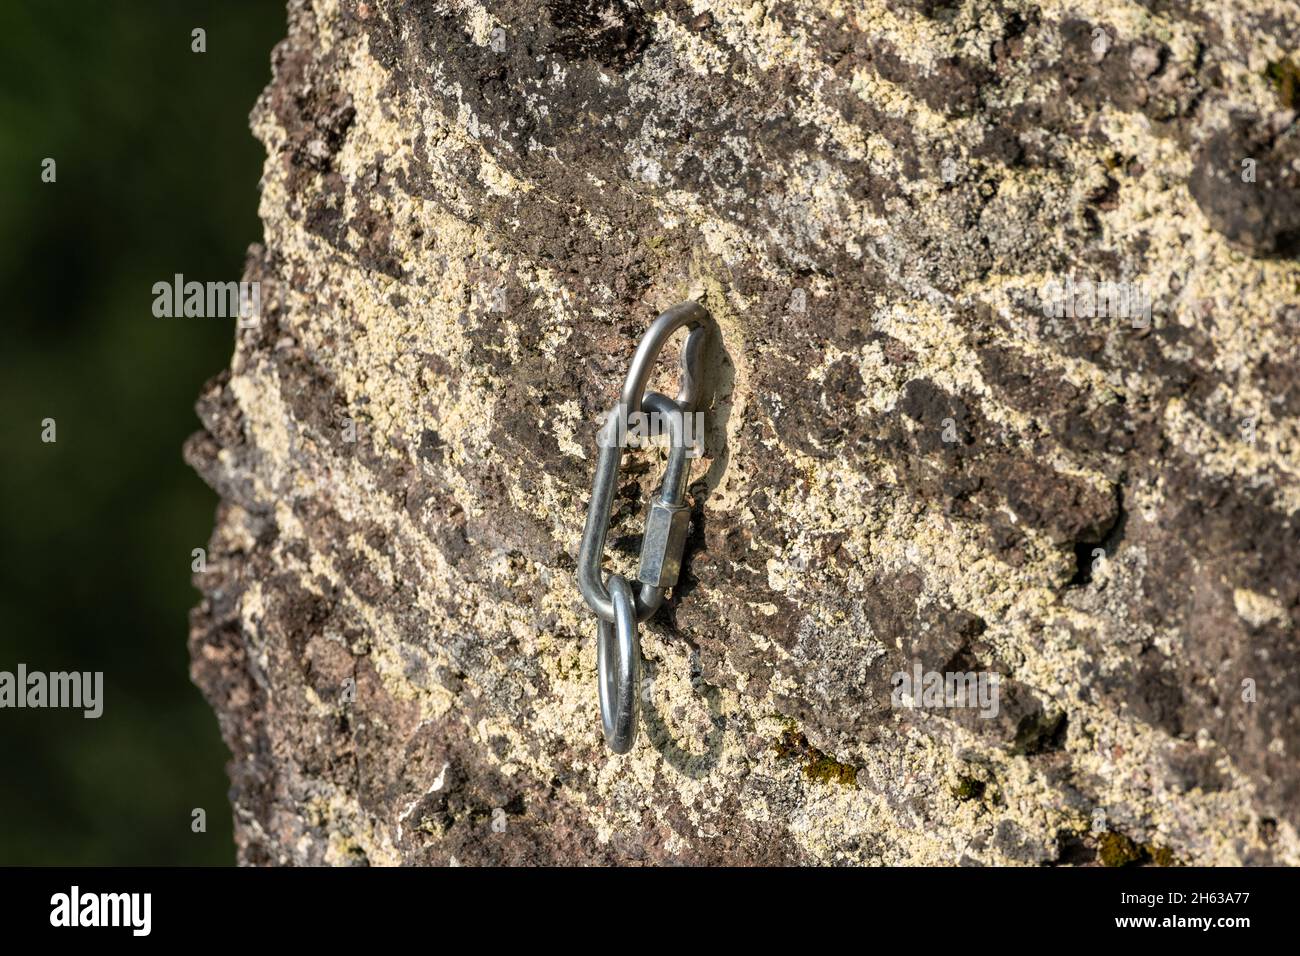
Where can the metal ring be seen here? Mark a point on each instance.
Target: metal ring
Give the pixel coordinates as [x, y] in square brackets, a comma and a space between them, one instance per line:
[693, 317]
[619, 688]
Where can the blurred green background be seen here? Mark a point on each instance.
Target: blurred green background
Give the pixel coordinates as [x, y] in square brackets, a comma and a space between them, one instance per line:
[156, 174]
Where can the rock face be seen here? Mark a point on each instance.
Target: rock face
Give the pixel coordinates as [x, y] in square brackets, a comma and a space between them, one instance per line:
[934, 444]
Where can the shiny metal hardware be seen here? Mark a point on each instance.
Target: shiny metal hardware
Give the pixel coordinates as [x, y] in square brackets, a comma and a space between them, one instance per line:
[619, 607]
[618, 664]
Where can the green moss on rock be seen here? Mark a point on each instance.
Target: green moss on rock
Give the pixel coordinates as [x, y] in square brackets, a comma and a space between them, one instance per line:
[968, 788]
[1115, 849]
[817, 766]
[1285, 77]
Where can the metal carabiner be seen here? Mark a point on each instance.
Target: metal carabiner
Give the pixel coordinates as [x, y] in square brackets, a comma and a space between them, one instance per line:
[619, 608]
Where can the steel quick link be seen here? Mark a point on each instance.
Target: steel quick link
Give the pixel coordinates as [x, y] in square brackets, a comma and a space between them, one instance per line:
[619, 607]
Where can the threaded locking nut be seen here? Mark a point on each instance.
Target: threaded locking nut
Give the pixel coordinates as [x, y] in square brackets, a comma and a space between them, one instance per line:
[666, 527]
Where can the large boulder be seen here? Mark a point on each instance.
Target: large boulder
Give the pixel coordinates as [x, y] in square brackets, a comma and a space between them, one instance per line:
[927, 450]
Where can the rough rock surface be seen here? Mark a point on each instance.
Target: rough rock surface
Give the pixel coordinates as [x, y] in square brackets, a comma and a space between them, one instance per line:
[473, 210]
